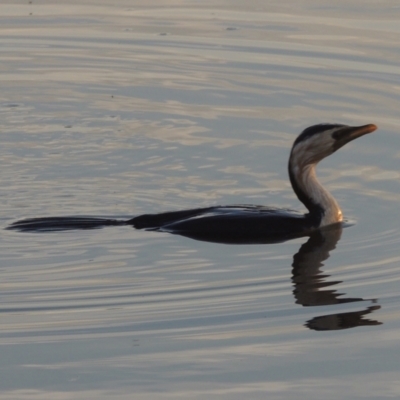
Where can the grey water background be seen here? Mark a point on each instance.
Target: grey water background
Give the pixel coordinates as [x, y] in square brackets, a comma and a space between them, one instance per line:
[117, 108]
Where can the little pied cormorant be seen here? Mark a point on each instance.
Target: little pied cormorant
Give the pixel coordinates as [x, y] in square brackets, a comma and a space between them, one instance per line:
[244, 223]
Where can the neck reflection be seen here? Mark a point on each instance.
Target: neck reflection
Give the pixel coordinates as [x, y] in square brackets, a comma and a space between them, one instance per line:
[311, 288]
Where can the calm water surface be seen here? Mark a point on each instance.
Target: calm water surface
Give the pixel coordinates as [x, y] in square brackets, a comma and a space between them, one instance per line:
[118, 108]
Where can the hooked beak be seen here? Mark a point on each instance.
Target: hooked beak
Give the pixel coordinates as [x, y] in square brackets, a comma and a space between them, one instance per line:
[349, 133]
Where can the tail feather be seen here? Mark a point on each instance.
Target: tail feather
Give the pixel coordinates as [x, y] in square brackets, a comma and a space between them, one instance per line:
[51, 224]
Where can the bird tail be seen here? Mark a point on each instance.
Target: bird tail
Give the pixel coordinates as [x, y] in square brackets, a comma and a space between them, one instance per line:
[52, 224]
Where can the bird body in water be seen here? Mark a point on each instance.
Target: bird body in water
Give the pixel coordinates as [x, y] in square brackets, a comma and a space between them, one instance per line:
[243, 223]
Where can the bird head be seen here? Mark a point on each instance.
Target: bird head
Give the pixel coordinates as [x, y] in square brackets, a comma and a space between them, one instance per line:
[319, 141]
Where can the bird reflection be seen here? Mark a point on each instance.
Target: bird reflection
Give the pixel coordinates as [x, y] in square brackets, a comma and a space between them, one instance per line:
[310, 283]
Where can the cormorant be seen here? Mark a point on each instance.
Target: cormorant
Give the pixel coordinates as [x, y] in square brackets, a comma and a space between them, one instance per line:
[244, 223]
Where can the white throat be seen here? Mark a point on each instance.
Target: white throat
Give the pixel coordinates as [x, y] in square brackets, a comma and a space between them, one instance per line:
[309, 184]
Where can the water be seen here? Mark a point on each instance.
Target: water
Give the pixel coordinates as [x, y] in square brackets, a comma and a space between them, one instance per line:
[117, 109]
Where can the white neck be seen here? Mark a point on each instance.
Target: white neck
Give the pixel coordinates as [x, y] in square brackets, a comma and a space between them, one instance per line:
[308, 183]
